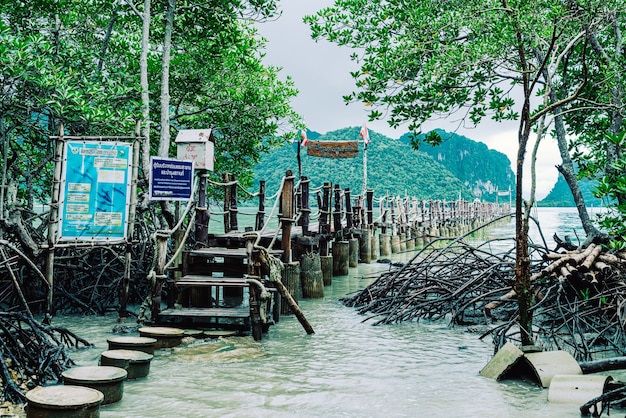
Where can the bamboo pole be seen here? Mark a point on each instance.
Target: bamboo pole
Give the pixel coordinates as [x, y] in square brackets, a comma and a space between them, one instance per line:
[54, 217]
[131, 225]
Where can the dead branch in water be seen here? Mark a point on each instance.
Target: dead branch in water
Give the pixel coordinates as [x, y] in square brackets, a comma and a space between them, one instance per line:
[579, 295]
[31, 354]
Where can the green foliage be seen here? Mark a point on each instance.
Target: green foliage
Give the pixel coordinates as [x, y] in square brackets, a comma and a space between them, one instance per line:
[421, 59]
[482, 170]
[77, 62]
[393, 168]
[561, 195]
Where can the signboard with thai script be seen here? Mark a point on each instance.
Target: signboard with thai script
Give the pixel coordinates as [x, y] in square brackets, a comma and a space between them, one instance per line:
[196, 145]
[333, 149]
[95, 190]
[170, 179]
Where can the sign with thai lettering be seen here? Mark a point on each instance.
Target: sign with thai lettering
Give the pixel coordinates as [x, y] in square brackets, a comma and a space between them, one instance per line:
[196, 145]
[170, 179]
[95, 190]
[333, 149]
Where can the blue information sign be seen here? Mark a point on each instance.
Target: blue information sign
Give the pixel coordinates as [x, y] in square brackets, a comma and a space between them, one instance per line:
[95, 191]
[170, 179]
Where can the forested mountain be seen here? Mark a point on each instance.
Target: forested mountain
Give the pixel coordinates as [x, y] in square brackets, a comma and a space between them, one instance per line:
[484, 171]
[560, 195]
[393, 167]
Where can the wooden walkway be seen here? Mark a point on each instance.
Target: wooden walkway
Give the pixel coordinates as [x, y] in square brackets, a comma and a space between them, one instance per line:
[225, 284]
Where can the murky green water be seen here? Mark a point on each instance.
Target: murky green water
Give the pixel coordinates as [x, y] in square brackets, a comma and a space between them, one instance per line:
[346, 369]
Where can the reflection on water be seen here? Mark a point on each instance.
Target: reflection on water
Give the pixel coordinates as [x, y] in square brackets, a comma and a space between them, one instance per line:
[348, 368]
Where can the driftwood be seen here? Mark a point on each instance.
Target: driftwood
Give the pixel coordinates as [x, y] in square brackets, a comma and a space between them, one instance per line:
[87, 279]
[32, 354]
[579, 295]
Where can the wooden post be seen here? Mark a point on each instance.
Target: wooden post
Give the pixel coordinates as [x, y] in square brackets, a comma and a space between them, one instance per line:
[353, 256]
[312, 278]
[260, 215]
[324, 226]
[374, 246]
[348, 206]
[385, 244]
[383, 213]
[341, 262]
[286, 221]
[369, 203]
[306, 210]
[159, 270]
[202, 211]
[54, 217]
[392, 206]
[131, 225]
[232, 207]
[337, 213]
[326, 265]
[365, 244]
[293, 284]
[226, 203]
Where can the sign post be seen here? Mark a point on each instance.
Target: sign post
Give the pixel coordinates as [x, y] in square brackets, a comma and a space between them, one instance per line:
[95, 191]
[170, 179]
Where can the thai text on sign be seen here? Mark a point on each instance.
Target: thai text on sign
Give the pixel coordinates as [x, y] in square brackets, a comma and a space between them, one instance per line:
[333, 149]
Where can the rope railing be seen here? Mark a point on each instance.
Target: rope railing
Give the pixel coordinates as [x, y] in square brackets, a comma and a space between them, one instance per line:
[399, 211]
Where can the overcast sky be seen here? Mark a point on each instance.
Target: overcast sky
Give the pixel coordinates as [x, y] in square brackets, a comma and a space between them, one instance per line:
[321, 72]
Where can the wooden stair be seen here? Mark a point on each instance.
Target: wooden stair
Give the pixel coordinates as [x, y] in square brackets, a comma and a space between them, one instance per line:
[215, 293]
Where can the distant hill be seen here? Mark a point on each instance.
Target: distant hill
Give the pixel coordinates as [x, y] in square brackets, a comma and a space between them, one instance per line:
[483, 171]
[561, 196]
[393, 168]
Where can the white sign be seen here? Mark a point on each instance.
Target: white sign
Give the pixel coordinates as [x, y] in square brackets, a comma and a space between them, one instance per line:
[195, 145]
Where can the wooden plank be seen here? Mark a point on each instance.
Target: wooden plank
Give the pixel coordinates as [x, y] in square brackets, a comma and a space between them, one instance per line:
[219, 252]
[207, 312]
[202, 281]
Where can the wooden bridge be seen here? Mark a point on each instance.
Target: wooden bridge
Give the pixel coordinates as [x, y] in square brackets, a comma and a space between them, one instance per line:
[245, 279]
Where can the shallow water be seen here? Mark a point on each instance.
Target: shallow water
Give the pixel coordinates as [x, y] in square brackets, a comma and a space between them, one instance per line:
[348, 368]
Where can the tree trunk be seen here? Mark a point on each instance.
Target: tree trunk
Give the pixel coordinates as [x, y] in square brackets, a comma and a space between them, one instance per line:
[522, 285]
[567, 171]
[145, 89]
[164, 142]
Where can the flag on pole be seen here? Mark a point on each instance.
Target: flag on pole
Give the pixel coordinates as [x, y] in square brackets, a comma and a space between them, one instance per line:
[305, 140]
[364, 133]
